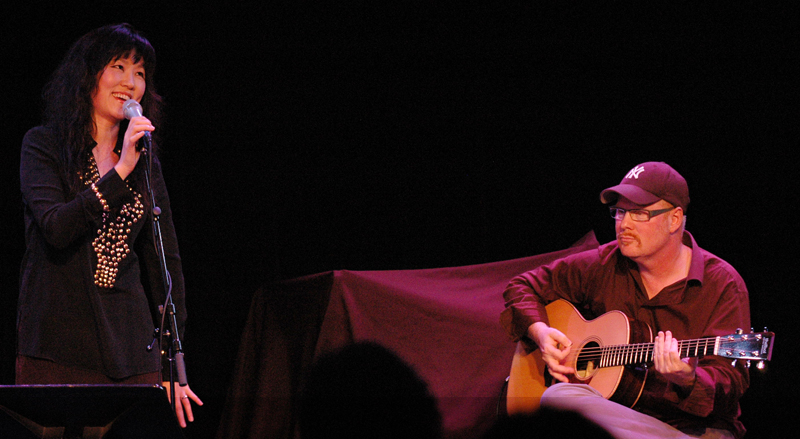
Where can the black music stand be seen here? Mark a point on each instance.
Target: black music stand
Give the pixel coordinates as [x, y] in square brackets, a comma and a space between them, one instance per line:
[87, 411]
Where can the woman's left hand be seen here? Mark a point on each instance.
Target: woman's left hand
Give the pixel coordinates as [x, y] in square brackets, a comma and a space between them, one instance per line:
[137, 128]
[183, 409]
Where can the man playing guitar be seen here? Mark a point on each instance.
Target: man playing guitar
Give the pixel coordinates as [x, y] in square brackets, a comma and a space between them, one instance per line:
[654, 273]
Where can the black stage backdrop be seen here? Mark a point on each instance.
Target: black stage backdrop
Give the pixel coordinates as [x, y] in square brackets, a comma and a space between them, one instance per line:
[304, 137]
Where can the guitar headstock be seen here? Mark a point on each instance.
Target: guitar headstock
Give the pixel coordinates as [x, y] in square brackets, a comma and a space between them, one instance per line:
[752, 346]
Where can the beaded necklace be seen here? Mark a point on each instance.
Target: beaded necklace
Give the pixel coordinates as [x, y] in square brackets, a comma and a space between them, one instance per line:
[110, 245]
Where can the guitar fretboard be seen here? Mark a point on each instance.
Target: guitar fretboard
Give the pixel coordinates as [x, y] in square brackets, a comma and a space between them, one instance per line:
[620, 355]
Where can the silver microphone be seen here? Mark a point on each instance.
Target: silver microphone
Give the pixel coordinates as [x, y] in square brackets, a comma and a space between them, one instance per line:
[130, 109]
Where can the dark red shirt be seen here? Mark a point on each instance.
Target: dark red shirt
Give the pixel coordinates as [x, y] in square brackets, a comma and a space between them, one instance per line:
[712, 301]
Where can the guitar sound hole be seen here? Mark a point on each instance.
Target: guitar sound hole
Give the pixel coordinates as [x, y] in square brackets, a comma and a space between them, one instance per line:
[587, 363]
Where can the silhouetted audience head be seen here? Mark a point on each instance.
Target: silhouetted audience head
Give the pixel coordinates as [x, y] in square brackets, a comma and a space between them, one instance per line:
[546, 423]
[366, 391]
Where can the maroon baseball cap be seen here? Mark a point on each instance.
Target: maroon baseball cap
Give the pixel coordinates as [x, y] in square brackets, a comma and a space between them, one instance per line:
[649, 182]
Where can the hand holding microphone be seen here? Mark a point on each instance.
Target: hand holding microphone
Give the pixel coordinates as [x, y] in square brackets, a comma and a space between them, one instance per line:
[131, 109]
[137, 138]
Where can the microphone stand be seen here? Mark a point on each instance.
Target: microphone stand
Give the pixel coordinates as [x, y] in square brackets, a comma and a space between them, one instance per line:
[175, 350]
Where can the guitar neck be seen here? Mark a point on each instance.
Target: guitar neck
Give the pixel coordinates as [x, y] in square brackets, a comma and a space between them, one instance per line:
[621, 355]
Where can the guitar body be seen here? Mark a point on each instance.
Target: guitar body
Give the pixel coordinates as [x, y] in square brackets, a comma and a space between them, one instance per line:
[529, 377]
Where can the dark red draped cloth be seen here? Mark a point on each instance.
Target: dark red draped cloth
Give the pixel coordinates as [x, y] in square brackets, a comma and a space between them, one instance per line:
[444, 322]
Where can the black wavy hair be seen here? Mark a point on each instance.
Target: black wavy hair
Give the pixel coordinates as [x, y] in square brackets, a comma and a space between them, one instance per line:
[68, 104]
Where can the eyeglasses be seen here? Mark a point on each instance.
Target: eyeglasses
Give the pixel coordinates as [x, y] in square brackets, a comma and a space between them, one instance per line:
[640, 215]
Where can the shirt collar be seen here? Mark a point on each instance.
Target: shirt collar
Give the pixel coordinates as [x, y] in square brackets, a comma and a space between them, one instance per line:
[697, 266]
[673, 294]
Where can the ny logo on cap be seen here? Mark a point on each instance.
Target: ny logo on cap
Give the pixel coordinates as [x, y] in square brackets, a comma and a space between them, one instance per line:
[634, 173]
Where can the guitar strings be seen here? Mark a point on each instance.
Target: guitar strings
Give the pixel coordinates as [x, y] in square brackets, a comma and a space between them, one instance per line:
[644, 350]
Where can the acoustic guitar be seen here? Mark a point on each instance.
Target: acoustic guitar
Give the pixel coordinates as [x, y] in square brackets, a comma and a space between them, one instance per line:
[611, 353]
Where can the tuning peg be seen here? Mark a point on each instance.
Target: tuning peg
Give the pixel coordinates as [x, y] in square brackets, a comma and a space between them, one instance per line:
[739, 331]
[761, 365]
